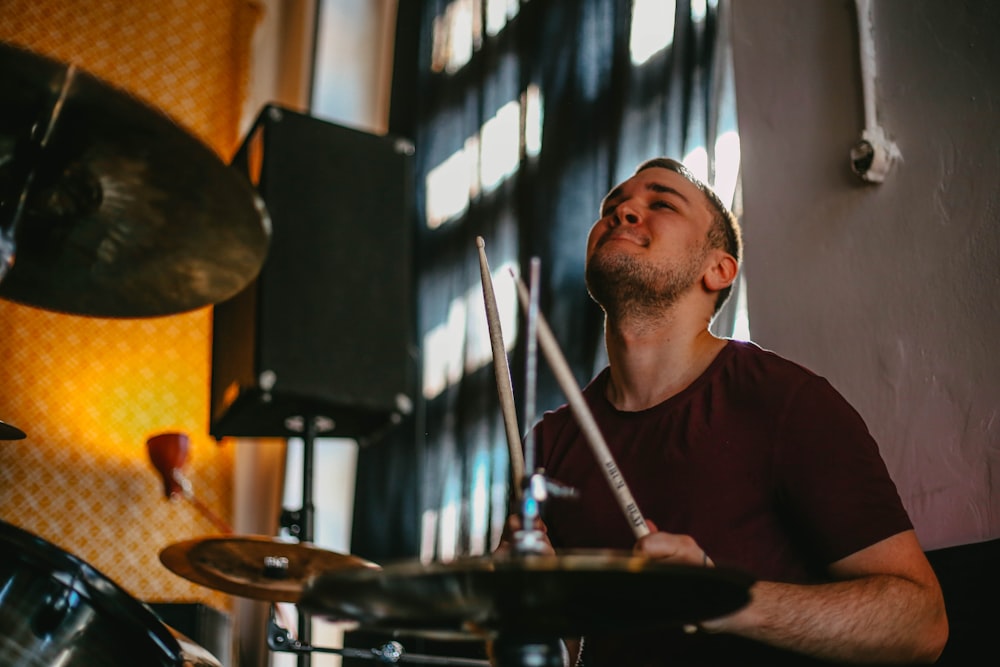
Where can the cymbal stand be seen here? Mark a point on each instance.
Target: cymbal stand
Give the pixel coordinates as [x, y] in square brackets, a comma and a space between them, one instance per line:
[281, 640]
[531, 540]
[536, 487]
[31, 149]
[300, 524]
[521, 650]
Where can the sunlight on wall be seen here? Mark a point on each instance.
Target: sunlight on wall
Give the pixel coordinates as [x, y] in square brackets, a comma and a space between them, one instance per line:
[462, 343]
[699, 9]
[485, 160]
[447, 187]
[652, 28]
[448, 533]
[443, 346]
[697, 162]
[458, 30]
[428, 534]
[453, 37]
[479, 505]
[726, 172]
[498, 14]
[727, 166]
[741, 327]
[534, 116]
[501, 141]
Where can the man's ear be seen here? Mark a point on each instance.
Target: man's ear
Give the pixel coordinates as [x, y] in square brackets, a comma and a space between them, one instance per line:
[721, 273]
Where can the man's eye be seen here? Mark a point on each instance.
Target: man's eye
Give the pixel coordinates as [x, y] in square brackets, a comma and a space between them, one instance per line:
[661, 204]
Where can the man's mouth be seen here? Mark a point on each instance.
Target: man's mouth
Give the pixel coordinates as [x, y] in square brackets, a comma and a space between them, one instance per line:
[619, 235]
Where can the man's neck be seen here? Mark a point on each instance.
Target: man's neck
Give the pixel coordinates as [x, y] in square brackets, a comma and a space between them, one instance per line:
[652, 361]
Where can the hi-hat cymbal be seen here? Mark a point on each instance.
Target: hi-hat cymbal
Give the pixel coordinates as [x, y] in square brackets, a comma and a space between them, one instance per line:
[8, 432]
[108, 208]
[565, 595]
[255, 566]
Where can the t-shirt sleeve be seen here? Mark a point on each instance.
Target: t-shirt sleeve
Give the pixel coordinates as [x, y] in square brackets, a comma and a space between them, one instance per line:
[831, 476]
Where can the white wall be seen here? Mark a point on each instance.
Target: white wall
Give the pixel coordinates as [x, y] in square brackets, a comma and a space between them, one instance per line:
[888, 290]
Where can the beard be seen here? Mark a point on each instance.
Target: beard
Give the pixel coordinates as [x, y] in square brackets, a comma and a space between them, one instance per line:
[626, 287]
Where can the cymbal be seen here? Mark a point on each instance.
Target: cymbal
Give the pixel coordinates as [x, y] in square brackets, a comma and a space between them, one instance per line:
[564, 595]
[255, 566]
[8, 432]
[109, 208]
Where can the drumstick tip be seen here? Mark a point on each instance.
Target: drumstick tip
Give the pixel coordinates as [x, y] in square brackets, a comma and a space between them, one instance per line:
[480, 242]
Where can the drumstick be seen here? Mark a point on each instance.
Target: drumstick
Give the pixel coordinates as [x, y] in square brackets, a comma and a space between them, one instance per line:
[502, 372]
[591, 432]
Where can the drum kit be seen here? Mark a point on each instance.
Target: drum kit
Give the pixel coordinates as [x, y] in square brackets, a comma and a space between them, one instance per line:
[111, 210]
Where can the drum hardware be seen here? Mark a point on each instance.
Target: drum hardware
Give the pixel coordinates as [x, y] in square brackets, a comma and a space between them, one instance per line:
[58, 610]
[562, 595]
[529, 539]
[527, 651]
[192, 654]
[281, 640]
[531, 487]
[254, 566]
[9, 432]
[538, 489]
[300, 524]
[108, 207]
[524, 604]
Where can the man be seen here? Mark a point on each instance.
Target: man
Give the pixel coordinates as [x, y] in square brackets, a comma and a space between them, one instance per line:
[735, 456]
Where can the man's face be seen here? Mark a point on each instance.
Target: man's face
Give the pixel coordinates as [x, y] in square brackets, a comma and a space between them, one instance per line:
[651, 242]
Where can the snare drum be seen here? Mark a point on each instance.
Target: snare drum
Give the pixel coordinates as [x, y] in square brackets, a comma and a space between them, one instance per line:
[56, 609]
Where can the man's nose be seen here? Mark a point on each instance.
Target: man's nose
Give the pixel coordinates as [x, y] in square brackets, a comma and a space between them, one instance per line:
[626, 214]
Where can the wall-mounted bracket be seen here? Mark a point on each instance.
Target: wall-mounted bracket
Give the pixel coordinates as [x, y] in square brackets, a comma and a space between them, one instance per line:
[875, 153]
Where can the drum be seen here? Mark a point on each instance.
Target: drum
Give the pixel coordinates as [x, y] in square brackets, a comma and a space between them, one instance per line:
[56, 609]
[193, 655]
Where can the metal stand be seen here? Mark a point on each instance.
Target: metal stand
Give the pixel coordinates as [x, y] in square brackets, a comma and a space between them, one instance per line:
[279, 639]
[300, 524]
[528, 651]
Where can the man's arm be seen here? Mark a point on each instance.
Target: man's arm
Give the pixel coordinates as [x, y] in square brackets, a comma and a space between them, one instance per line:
[885, 607]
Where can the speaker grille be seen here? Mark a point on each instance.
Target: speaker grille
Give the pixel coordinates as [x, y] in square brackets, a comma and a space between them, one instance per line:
[326, 328]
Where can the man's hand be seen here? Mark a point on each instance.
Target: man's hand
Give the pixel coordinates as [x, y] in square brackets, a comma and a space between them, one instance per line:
[668, 547]
[512, 526]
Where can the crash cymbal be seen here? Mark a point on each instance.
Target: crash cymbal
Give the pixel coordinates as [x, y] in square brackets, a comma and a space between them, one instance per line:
[108, 208]
[565, 595]
[8, 432]
[255, 566]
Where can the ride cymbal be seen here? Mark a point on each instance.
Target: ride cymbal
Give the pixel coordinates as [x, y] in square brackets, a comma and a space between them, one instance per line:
[255, 566]
[565, 595]
[108, 208]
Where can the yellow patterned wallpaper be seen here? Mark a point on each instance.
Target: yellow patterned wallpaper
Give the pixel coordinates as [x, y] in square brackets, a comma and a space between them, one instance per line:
[89, 391]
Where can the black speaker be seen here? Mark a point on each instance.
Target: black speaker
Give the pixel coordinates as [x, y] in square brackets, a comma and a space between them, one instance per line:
[325, 330]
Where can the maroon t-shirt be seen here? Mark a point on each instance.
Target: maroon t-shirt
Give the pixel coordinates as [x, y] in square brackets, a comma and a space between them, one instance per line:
[763, 462]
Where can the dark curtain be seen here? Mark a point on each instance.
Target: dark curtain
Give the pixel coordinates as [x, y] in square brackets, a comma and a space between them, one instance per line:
[441, 477]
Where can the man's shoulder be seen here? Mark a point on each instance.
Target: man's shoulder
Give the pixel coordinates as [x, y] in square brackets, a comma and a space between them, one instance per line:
[756, 378]
[761, 364]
